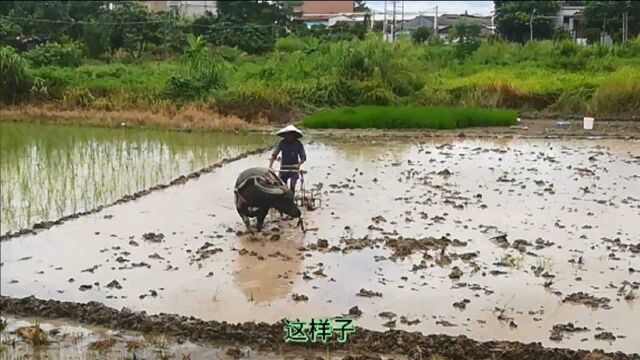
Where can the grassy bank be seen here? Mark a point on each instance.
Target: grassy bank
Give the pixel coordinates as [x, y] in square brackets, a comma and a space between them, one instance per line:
[409, 117]
[191, 117]
[542, 77]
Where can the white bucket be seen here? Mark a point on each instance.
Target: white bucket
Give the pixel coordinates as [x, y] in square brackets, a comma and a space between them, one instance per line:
[588, 123]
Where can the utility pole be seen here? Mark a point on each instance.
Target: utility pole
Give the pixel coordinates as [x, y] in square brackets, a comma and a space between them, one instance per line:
[531, 25]
[384, 22]
[625, 27]
[435, 22]
[493, 25]
[393, 23]
[402, 20]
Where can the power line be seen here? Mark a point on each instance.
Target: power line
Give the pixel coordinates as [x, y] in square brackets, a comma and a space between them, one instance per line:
[84, 22]
[71, 22]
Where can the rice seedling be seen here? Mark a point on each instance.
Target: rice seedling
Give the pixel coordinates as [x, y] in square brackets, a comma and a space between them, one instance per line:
[52, 171]
[406, 117]
[512, 261]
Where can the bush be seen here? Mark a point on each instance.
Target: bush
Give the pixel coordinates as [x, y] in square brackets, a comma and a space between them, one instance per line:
[617, 97]
[561, 34]
[15, 82]
[408, 117]
[467, 35]
[290, 44]
[56, 54]
[592, 35]
[252, 38]
[8, 31]
[421, 35]
[565, 56]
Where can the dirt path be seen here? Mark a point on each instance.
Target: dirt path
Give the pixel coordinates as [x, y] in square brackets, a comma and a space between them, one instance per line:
[527, 128]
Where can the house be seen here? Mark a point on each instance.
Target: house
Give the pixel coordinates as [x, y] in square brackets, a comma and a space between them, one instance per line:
[571, 18]
[320, 12]
[184, 8]
[445, 22]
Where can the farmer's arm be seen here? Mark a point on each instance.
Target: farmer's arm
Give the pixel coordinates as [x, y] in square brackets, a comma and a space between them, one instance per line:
[302, 155]
[274, 155]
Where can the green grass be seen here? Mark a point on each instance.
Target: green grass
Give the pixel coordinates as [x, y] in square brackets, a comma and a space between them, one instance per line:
[409, 117]
[555, 78]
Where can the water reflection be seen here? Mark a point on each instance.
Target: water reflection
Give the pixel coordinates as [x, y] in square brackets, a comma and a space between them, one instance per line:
[266, 270]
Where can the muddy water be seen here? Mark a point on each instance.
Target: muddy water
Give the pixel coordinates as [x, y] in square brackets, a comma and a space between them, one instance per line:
[49, 171]
[572, 195]
[68, 340]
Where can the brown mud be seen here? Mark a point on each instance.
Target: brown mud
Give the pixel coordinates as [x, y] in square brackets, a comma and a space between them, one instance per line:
[269, 337]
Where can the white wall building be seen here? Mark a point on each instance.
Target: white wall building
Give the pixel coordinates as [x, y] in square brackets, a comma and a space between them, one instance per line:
[184, 8]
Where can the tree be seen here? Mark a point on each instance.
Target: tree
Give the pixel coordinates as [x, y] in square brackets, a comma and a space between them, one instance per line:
[561, 34]
[202, 24]
[9, 30]
[467, 35]
[60, 16]
[421, 35]
[360, 6]
[592, 35]
[607, 16]
[278, 13]
[513, 19]
[135, 28]
[252, 25]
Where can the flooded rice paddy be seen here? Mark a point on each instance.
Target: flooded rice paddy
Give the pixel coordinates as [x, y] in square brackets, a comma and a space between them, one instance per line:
[49, 171]
[70, 340]
[530, 240]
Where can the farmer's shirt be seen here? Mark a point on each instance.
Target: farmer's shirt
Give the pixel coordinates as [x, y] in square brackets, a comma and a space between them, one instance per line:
[292, 152]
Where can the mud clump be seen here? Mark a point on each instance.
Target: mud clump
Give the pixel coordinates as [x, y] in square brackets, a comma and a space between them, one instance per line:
[114, 284]
[153, 237]
[558, 330]
[605, 335]
[368, 293]
[268, 337]
[461, 304]
[355, 312]
[299, 297]
[405, 247]
[456, 273]
[406, 321]
[102, 345]
[588, 300]
[234, 353]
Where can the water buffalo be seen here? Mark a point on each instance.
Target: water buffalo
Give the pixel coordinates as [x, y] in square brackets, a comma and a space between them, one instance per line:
[260, 189]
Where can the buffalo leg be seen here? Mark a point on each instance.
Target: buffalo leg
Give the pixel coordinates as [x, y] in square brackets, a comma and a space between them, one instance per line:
[261, 214]
[245, 219]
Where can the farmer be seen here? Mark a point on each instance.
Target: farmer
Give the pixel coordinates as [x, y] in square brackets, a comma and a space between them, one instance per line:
[293, 155]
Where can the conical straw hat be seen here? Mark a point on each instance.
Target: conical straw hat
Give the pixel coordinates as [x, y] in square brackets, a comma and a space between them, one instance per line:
[288, 129]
